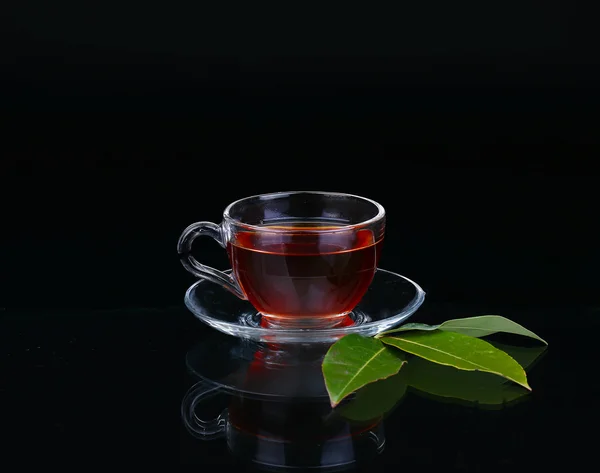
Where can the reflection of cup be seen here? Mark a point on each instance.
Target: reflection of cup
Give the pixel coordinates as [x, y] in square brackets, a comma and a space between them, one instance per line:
[279, 432]
[302, 259]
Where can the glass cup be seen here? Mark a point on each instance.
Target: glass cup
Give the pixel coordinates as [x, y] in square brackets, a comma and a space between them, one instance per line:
[302, 259]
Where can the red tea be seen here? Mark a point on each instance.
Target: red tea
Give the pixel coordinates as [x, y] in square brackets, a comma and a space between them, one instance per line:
[300, 276]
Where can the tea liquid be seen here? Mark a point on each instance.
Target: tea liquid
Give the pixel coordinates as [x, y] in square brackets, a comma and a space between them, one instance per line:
[303, 275]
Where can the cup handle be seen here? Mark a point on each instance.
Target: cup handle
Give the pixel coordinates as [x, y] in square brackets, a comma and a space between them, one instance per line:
[184, 248]
[200, 428]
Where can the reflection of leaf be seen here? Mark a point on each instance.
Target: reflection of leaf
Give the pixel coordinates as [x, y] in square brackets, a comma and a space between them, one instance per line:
[375, 400]
[474, 326]
[525, 356]
[355, 361]
[477, 387]
[407, 327]
[441, 382]
[460, 351]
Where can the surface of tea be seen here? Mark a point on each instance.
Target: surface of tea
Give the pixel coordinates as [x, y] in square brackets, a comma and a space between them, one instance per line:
[295, 274]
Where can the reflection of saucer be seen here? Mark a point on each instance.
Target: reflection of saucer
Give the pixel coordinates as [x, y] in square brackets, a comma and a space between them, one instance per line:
[269, 403]
[265, 371]
[390, 300]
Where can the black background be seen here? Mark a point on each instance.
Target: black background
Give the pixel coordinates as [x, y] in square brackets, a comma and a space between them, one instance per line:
[475, 125]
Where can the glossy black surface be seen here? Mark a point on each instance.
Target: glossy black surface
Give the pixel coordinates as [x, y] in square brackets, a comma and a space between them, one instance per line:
[122, 125]
[108, 385]
[94, 334]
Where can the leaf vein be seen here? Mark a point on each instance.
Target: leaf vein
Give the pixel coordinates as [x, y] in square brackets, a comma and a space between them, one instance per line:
[441, 351]
[362, 368]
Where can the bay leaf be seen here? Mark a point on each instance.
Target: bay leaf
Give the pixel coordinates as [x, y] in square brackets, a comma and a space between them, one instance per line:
[479, 326]
[460, 351]
[355, 361]
[484, 325]
[375, 400]
[485, 390]
[441, 383]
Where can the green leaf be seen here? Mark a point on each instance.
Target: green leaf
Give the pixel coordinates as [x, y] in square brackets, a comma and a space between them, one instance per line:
[480, 326]
[440, 381]
[355, 361]
[484, 389]
[460, 351]
[486, 325]
[375, 400]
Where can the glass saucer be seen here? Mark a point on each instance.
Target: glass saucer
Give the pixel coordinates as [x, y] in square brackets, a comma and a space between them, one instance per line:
[389, 301]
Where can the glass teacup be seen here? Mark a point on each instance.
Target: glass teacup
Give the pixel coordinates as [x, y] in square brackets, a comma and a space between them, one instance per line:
[302, 258]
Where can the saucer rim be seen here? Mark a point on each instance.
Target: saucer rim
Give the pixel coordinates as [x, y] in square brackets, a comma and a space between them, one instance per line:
[406, 312]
